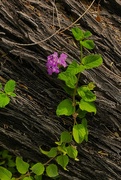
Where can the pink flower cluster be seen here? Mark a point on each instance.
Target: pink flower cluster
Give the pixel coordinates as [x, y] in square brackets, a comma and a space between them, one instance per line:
[54, 62]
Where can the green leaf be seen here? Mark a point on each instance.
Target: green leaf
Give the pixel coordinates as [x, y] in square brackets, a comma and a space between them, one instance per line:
[77, 33]
[63, 160]
[89, 44]
[4, 100]
[5, 154]
[27, 178]
[87, 34]
[62, 148]
[51, 153]
[74, 68]
[52, 170]
[66, 137]
[43, 151]
[92, 61]
[87, 106]
[86, 94]
[11, 94]
[5, 174]
[65, 108]
[9, 86]
[79, 132]
[81, 114]
[70, 80]
[38, 177]
[21, 165]
[72, 152]
[11, 163]
[38, 169]
[84, 123]
[68, 90]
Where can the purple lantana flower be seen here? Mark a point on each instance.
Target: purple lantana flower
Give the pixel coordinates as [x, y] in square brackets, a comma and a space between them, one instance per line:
[54, 62]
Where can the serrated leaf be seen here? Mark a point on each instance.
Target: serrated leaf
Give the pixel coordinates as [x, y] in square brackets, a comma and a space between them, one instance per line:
[70, 80]
[5, 174]
[4, 100]
[87, 106]
[52, 170]
[21, 165]
[65, 108]
[72, 152]
[63, 160]
[77, 33]
[87, 34]
[92, 61]
[9, 86]
[66, 137]
[38, 169]
[74, 68]
[86, 94]
[89, 44]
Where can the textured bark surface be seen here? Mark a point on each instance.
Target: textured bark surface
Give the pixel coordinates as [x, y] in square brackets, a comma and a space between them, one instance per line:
[29, 121]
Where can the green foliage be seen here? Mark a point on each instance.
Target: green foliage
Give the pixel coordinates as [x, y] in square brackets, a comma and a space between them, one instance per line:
[52, 170]
[63, 160]
[78, 105]
[21, 166]
[65, 108]
[66, 137]
[51, 153]
[69, 79]
[86, 94]
[72, 152]
[89, 44]
[5, 174]
[7, 92]
[80, 131]
[92, 61]
[87, 106]
[38, 168]
[78, 33]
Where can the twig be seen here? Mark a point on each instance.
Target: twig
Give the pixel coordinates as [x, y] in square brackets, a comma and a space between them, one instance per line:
[79, 17]
[38, 42]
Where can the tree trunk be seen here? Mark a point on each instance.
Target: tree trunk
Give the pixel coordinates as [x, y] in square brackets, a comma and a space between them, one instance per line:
[31, 30]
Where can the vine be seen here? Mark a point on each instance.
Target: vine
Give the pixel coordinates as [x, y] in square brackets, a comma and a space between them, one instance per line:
[78, 105]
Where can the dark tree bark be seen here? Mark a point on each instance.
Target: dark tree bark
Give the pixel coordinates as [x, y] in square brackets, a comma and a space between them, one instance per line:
[29, 121]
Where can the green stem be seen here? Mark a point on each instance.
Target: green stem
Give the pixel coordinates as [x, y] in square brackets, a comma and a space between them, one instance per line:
[49, 160]
[75, 90]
